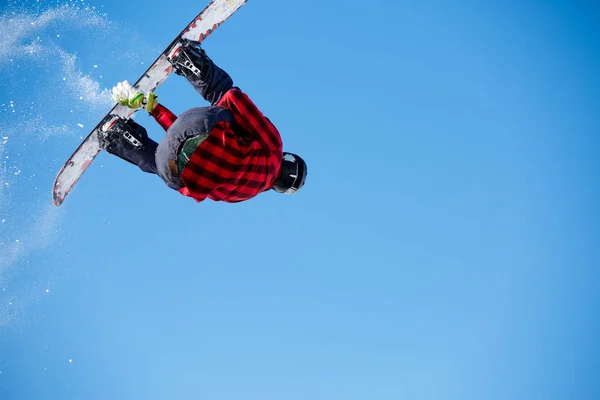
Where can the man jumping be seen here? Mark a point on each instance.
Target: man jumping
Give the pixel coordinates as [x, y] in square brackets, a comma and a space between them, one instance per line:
[228, 151]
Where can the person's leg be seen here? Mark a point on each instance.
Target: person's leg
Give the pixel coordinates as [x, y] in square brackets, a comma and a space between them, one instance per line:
[191, 61]
[129, 141]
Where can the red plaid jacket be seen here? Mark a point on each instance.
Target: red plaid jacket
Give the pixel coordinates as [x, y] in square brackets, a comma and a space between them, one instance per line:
[231, 166]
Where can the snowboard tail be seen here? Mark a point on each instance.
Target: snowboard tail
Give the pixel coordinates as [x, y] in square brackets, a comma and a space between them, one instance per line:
[205, 23]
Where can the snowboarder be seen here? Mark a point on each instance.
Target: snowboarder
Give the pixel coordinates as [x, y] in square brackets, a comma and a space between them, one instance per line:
[228, 151]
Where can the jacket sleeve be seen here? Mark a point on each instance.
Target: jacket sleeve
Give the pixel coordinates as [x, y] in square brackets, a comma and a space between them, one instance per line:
[249, 117]
[163, 116]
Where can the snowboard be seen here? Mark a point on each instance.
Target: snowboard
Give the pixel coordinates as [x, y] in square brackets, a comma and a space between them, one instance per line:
[205, 23]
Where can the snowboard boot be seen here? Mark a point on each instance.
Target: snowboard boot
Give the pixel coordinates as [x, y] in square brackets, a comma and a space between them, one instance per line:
[121, 133]
[129, 141]
[188, 58]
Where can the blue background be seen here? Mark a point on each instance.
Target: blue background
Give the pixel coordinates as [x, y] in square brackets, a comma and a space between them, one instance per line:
[445, 245]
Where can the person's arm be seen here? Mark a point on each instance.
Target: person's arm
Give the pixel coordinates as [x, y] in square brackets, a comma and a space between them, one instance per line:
[249, 117]
[163, 116]
[128, 96]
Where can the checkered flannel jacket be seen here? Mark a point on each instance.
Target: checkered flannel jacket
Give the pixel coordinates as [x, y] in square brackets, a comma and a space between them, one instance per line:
[232, 164]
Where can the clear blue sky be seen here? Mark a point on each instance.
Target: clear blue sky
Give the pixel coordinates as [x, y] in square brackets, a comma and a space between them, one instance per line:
[445, 245]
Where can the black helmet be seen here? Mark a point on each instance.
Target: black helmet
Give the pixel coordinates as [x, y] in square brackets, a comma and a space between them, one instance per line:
[292, 174]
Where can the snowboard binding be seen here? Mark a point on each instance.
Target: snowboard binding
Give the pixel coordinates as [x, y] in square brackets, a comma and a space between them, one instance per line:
[119, 132]
[188, 58]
